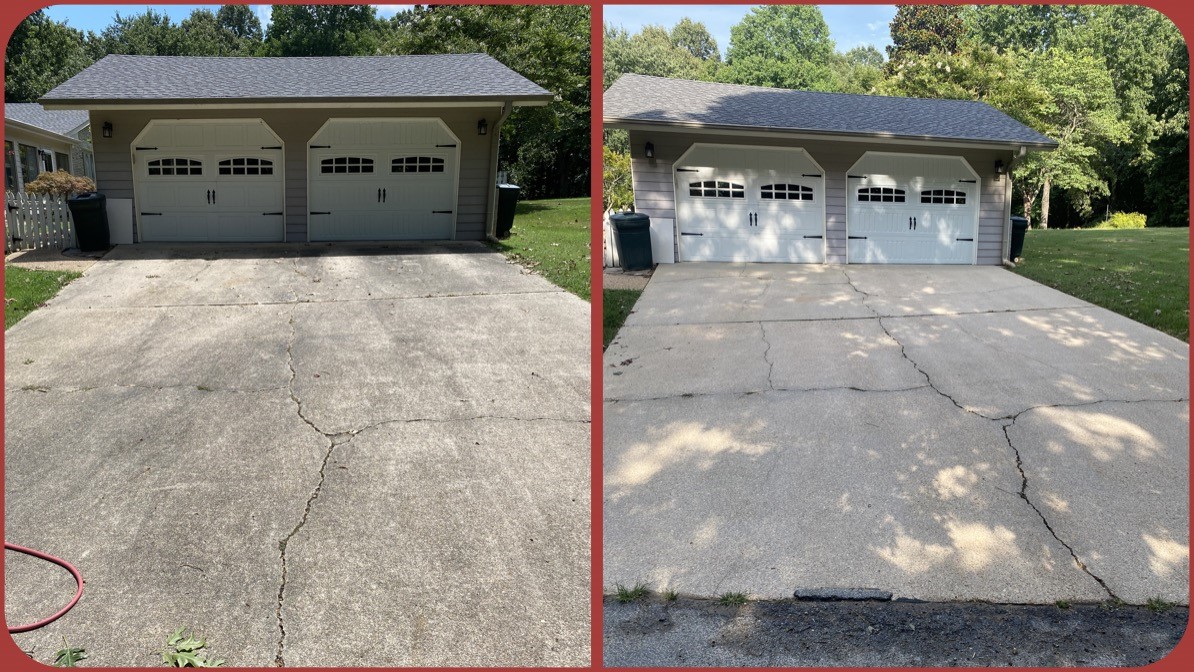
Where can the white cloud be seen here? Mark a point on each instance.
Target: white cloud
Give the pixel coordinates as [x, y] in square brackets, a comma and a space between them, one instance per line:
[875, 25]
[390, 10]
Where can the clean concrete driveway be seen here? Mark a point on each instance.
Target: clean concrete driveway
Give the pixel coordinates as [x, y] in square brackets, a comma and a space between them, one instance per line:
[315, 455]
[940, 433]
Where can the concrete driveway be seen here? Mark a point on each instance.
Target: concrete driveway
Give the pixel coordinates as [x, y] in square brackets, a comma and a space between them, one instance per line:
[939, 433]
[314, 455]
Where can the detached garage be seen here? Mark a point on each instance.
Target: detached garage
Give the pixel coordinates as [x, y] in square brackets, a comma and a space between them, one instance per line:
[206, 149]
[741, 173]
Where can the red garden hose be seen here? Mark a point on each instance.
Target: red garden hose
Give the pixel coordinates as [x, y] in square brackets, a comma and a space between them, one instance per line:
[57, 561]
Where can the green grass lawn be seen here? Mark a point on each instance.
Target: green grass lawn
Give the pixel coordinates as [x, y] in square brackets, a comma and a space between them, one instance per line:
[1143, 274]
[551, 237]
[25, 291]
[616, 305]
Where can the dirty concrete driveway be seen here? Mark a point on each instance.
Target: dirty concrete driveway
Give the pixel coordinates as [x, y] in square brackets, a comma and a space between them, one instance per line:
[314, 455]
[942, 433]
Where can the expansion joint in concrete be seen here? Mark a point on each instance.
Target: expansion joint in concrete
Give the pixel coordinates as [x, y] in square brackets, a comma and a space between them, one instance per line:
[1032, 505]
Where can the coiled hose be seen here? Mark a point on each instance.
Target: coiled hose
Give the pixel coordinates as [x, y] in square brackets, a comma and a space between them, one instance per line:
[57, 561]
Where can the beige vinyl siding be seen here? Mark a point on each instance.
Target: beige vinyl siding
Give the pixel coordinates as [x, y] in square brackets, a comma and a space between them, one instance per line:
[113, 163]
[654, 190]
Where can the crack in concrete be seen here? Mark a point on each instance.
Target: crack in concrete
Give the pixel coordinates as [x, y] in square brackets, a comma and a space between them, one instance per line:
[1024, 496]
[767, 357]
[42, 389]
[907, 316]
[296, 301]
[791, 390]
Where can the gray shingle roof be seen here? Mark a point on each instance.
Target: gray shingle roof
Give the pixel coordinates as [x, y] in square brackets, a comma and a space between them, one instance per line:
[129, 79]
[61, 122]
[658, 100]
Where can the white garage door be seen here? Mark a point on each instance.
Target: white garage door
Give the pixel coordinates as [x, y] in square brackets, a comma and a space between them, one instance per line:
[209, 180]
[912, 209]
[383, 179]
[742, 203]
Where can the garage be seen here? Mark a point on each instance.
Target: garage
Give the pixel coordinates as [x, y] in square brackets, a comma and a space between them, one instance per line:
[742, 203]
[912, 209]
[299, 150]
[209, 180]
[383, 179]
[733, 173]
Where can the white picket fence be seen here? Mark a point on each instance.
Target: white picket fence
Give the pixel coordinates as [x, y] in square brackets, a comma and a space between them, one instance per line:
[33, 222]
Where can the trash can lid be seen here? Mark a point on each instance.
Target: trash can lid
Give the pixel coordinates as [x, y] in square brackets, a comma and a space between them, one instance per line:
[509, 186]
[1018, 218]
[629, 217]
[87, 196]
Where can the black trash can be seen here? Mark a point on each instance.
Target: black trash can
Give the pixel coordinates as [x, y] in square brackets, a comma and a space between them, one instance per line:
[90, 214]
[634, 240]
[507, 202]
[1019, 227]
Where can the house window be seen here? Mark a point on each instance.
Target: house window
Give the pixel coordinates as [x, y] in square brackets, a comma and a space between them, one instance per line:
[945, 196]
[246, 166]
[89, 164]
[786, 192]
[10, 166]
[417, 164]
[28, 158]
[47, 160]
[346, 164]
[880, 195]
[62, 161]
[175, 167]
[716, 189]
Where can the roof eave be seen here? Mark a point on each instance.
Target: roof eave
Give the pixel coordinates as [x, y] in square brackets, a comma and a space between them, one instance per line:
[43, 132]
[364, 101]
[631, 124]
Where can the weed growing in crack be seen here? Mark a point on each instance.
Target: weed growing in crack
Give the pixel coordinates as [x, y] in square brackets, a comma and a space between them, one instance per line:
[1062, 604]
[632, 594]
[184, 649]
[732, 599]
[1158, 605]
[670, 595]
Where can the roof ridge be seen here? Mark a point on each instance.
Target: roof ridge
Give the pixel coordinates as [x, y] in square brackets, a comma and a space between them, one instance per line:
[291, 58]
[778, 89]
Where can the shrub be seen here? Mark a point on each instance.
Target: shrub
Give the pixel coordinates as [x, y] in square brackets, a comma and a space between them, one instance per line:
[1123, 220]
[59, 183]
[617, 191]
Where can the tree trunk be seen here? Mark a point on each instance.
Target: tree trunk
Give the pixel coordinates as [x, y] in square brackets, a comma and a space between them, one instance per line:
[1045, 203]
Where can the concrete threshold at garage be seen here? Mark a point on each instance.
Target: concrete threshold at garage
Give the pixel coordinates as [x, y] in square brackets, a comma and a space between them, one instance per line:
[939, 433]
[313, 455]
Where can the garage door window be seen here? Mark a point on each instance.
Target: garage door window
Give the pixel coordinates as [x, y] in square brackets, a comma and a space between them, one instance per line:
[346, 164]
[417, 164]
[716, 189]
[945, 196]
[880, 195]
[786, 192]
[247, 166]
[175, 167]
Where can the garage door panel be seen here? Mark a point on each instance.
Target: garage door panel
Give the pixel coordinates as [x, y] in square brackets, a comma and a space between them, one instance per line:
[246, 227]
[747, 248]
[177, 227]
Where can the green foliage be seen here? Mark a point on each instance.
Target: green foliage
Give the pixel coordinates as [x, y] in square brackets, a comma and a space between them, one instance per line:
[26, 290]
[921, 29]
[184, 649]
[694, 37]
[634, 593]
[203, 34]
[551, 238]
[40, 55]
[59, 183]
[617, 190]
[148, 34]
[69, 655]
[1024, 27]
[655, 51]
[859, 70]
[1159, 605]
[781, 45]
[322, 30]
[1123, 220]
[544, 149]
[733, 599]
[241, 22]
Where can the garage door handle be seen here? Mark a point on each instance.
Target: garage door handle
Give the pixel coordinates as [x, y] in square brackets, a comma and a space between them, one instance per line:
[441, 212]
[965, 240]
[909, 223]
[313, 212]
[691, 234]
[383, 195]
[209, 196]
[812, 236]
[913, 223]
[213, 196]
[856, 237]
[379, 194]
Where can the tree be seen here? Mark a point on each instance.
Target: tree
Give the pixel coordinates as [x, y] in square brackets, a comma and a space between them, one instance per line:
[859, 70]
[241, 22]
[1028, 27]
[1082, 116]
[41, 54]
[148, 34]
[652, 51]
[781, 45]
[202, 35]
[322, 30]
[693, 37]
[544, 149]
[920, 29]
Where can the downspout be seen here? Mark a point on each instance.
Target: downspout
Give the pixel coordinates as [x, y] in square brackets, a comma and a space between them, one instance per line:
[491, 211]
[1007, 204]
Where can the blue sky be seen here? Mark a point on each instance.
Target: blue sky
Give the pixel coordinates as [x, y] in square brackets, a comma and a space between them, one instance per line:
[849, 25]
[97, 17]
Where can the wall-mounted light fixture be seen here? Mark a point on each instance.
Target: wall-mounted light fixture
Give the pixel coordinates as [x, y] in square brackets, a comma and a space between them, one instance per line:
[650, 151]
[107, 129]
[482, 127]
[999, 169]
